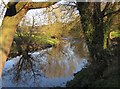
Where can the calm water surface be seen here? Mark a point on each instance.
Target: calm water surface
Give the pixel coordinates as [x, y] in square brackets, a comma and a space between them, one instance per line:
[52, 67]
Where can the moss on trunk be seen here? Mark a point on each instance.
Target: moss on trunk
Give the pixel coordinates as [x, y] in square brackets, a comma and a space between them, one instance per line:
[92, 24]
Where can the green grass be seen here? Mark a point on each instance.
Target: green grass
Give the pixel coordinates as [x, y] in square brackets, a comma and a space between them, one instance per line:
[41, 39]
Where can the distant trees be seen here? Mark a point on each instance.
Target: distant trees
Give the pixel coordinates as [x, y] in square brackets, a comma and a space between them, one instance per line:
[24, 39]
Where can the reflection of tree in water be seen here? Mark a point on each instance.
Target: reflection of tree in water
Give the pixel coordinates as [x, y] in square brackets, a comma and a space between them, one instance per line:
[81, 48]
[26, 69]
[62, 60]
[58, 61]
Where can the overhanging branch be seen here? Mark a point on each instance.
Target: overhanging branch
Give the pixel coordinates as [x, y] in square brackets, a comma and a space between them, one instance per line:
[16, 7]
[36, 5]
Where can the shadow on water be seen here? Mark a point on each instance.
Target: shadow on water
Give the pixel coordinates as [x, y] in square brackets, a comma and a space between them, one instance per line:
[53, 66]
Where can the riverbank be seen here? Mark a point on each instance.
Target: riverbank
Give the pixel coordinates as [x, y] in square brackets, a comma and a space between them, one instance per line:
[101, 73]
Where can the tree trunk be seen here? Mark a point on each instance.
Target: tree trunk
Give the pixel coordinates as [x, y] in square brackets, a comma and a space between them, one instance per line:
[92, 24]
[6, 37]
[98, 34]
[86, 20]
[9, 26]
[107, 25]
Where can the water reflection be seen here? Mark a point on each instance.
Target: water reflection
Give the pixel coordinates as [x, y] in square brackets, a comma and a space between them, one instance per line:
[63, 59]
[55, 65]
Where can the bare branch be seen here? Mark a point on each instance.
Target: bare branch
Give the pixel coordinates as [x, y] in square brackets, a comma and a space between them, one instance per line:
[106, 7]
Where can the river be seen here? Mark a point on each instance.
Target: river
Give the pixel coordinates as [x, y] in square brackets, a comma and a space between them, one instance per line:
[51, 67]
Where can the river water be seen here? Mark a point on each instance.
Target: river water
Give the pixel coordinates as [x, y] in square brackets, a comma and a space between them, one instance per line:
[51, 67]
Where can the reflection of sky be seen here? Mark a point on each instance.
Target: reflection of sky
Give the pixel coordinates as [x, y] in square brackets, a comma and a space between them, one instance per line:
[57, 73]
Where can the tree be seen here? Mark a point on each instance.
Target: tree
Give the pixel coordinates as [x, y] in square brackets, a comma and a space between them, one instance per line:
[96, 24]
[97, 21]
[14, 14]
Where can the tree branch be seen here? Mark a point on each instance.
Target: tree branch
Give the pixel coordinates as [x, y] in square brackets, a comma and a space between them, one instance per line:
[16, 7]
[36, 5]
[106, 7]
[19, 6]
[114, 12]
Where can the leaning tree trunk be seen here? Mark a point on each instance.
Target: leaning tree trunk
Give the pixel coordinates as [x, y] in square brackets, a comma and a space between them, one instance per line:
[7, 33]
[6, 37]
[9, 26]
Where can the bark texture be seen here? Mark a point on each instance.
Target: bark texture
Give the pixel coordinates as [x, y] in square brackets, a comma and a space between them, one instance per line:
[92, 24]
